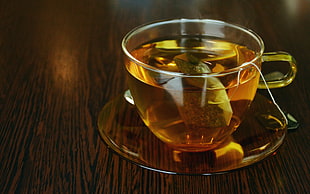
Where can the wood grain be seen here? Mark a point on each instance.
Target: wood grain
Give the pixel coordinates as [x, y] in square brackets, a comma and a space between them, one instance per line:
[60, 62]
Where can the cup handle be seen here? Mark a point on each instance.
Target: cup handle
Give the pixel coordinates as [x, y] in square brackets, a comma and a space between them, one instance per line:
[282, 80]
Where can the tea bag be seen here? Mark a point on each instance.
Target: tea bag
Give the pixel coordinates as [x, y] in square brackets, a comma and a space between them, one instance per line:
[208, 107]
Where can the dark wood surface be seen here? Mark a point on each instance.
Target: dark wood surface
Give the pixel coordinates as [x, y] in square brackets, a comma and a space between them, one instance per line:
[60, 62]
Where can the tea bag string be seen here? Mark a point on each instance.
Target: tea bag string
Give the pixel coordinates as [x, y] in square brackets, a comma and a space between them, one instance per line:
[237, 85]
[268, 90]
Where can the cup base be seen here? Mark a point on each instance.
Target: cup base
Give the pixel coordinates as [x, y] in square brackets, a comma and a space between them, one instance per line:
[256, 138]
[199, 147]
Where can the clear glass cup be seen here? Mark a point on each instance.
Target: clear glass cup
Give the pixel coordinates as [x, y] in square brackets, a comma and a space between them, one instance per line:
[193, 80]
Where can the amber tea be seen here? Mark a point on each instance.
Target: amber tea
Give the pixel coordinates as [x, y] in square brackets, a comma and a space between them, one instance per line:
[192, 93]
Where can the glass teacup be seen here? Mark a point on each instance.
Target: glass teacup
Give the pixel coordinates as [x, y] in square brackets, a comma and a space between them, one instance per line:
[193, 80]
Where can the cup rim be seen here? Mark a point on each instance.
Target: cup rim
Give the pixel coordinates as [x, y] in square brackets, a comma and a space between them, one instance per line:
[145, 26]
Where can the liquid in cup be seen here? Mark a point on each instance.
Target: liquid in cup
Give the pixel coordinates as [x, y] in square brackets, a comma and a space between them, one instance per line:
[189, 113]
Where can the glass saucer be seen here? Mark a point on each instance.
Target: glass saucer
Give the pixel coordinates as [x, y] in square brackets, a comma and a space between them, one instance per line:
[259, 135]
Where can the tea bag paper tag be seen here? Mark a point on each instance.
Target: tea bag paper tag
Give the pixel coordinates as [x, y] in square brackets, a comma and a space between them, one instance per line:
[286, 117]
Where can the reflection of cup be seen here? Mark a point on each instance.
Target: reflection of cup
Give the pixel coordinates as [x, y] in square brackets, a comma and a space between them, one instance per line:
[192, 80]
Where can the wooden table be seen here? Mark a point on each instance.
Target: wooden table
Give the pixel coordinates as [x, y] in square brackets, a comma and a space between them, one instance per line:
[61, 62]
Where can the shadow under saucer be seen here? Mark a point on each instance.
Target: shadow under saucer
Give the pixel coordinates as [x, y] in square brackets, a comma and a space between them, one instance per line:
[259, 135]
